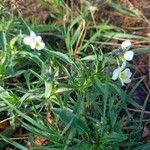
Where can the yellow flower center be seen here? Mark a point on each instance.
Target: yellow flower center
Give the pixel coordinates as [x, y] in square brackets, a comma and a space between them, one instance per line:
[37, 45]
[122, 76]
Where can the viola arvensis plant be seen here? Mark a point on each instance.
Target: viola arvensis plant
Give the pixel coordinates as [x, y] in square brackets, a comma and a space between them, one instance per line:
[34, 41]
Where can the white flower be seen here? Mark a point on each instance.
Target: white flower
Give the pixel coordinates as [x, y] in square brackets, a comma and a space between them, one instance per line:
[29, 39]
[128, 55]
[35, 42]
[126, 45]
[123, 74]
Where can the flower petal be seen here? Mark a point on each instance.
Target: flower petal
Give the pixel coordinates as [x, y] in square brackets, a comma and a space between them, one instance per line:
[127, 81]
[128, 55]
[126, 44]
[116, 73]
[126, 76]
[41, 46]
[128, 72]
[33, 45]
[38, 39]
[27, 40]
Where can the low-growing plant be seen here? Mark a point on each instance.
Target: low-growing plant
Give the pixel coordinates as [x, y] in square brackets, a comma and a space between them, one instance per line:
[72, 97]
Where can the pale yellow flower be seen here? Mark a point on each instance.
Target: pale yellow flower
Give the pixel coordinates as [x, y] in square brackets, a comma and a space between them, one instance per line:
[122, 74]
[35, 42]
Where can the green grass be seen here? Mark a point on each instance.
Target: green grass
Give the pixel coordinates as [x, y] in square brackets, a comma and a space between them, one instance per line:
[64, 93]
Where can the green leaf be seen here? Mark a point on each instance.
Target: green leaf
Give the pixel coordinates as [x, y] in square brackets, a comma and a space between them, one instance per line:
[60, 56]
[4, 95]
[114, 138]
[92, 58]
[141, 50]
[81, 146]
[45, 148]
[143, 147]
[4, 41]
[117, 35]
[48, 89]
[136, 86]
[92, 38]
[34, 57]
[41, 133]
[123, 9]
[99, 86]
[15, 144]
[66, 116]
[126, 98]
[92, 95]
